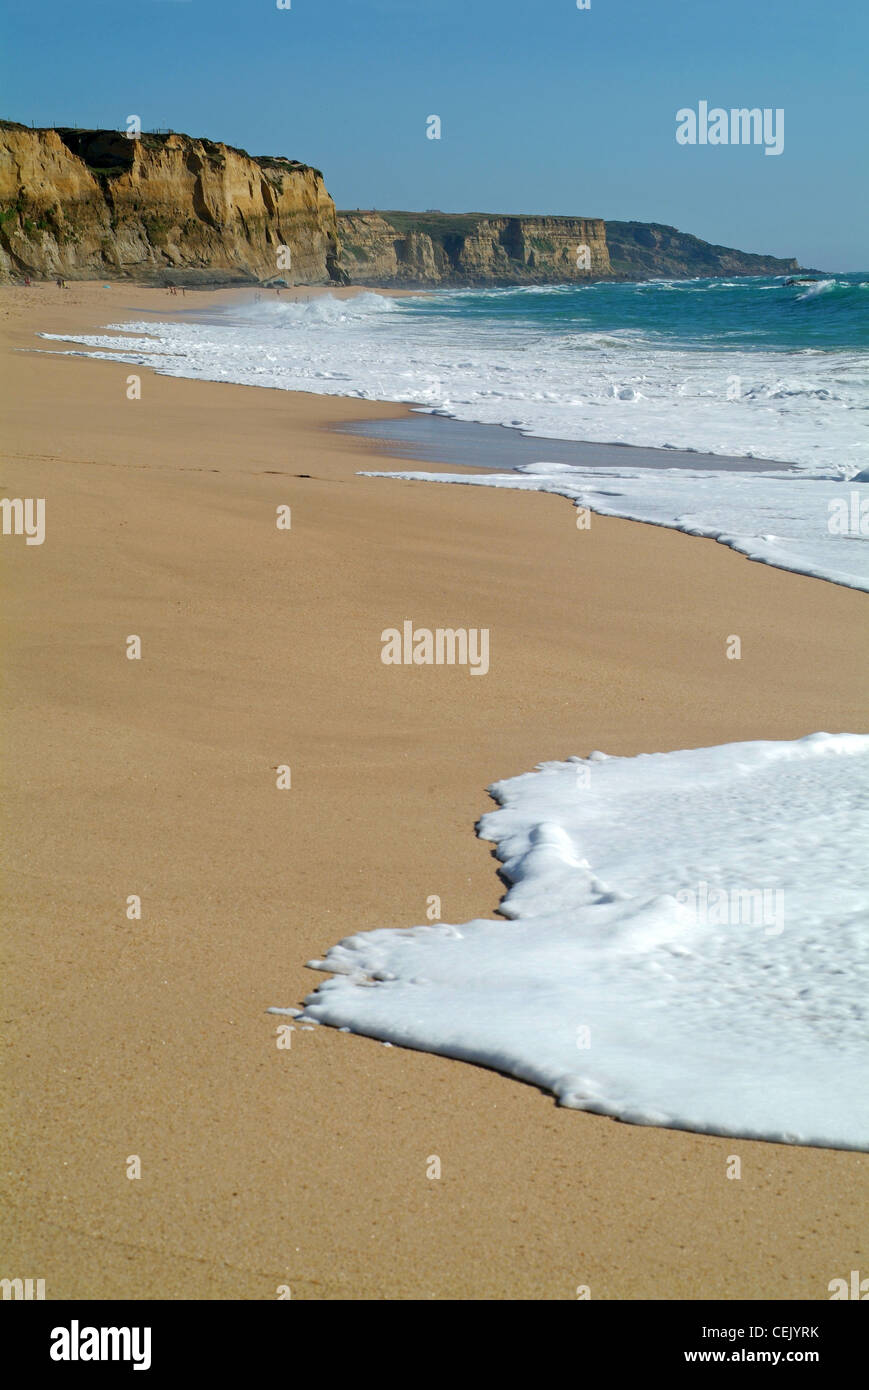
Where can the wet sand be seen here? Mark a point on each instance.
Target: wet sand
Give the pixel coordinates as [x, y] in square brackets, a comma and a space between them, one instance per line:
[441, 439]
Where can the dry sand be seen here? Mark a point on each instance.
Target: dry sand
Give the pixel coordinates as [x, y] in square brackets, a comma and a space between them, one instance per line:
[307, 1167]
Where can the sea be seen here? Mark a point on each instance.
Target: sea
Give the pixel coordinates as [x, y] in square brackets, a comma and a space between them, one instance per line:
[685, 936]
[751, 369]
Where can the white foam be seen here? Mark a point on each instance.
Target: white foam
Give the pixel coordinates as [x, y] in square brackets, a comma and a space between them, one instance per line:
[621, 386]
[616, 984]
[779, 519]
[804, 407]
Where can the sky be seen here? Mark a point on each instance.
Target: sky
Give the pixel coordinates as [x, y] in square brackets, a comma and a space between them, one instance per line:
[544, 108]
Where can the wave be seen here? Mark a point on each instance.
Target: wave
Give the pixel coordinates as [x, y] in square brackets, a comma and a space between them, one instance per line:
[820, 287]
[836, 289]
[735, 373]
[324, 308]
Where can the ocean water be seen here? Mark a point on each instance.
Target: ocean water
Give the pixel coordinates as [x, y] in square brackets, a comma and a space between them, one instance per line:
[748, 367]
[741, 367]
[688, 944]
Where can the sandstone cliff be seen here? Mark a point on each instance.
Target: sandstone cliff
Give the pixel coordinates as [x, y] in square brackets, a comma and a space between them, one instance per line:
[410, 248]
[86, 204]
[470, 248]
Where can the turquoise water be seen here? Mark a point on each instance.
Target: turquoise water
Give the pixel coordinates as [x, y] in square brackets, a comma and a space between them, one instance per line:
[741, 313]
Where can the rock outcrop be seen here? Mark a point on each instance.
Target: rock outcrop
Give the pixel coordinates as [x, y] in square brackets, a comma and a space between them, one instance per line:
[418, 249]
[650, 251]
[83, 204]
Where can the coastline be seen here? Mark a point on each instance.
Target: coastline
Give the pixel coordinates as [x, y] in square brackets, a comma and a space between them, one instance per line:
[308, 1166]
[424, 438]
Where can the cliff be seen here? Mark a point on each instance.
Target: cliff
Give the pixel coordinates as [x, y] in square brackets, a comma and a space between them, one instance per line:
[411, 248]
[85, 204]
[650, 251]
[92, 203]
[421, 249]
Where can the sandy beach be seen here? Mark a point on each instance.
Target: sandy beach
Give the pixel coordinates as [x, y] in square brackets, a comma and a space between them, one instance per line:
[306, 1167]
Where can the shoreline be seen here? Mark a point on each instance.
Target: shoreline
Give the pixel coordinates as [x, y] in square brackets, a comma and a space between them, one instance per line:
[425, 437]
[405, 435]
[308, 1166]
[798, 518]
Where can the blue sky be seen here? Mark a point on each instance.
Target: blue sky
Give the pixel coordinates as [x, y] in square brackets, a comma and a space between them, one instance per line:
[544, 108]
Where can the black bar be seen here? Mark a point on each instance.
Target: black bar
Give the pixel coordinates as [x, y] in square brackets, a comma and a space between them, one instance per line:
[253, 1336]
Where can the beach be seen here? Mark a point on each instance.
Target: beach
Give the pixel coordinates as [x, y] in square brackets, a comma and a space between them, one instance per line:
[306, 1167]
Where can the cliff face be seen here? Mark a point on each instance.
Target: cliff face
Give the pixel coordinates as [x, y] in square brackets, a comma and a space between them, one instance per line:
[647, 250]
[471, 249]
[87, 204]
[411, 248]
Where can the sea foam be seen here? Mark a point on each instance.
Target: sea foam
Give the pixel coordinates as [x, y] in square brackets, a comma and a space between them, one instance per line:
[663, 364]
[734, 368]
[687, 944]
[812, 526]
